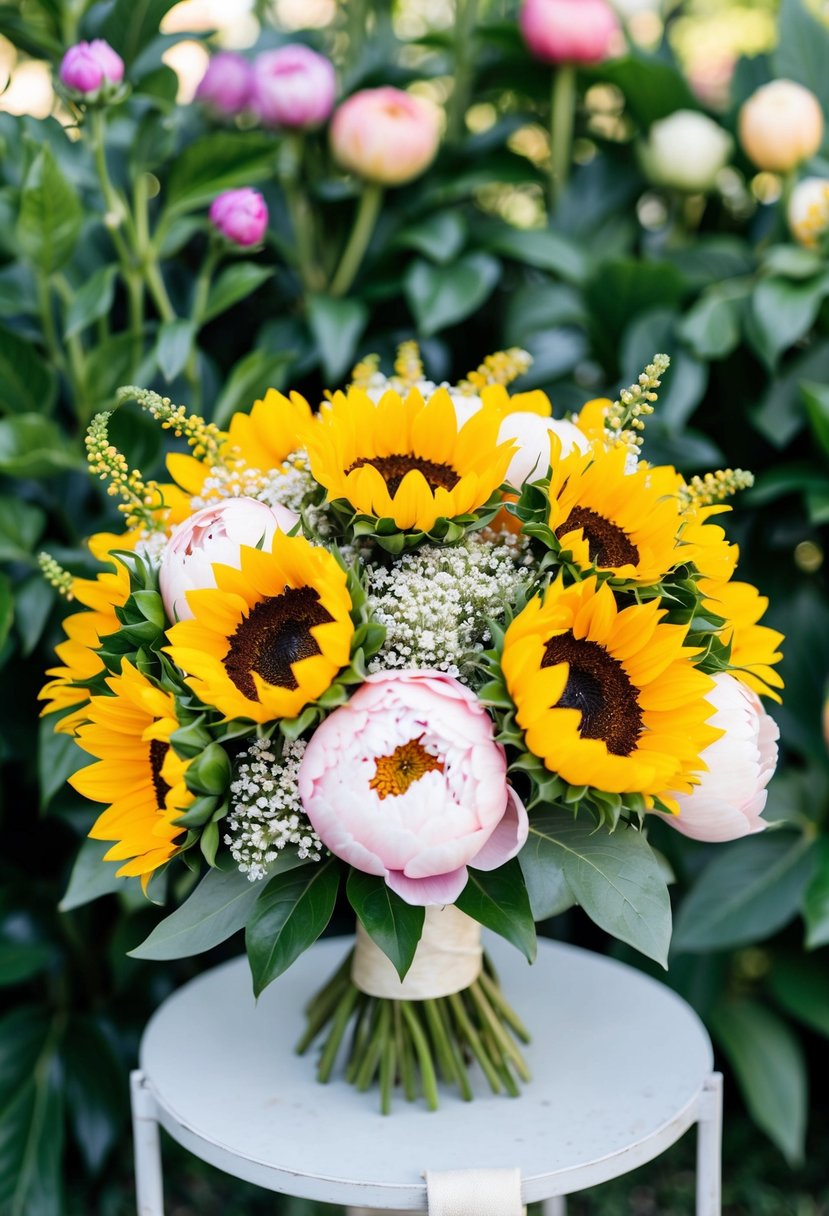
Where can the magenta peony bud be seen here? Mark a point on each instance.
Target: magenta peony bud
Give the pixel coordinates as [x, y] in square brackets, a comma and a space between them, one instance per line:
[89, 69]
[293, 87]
[225, 89]
[569, 31]
[385, 135]
[240, 215]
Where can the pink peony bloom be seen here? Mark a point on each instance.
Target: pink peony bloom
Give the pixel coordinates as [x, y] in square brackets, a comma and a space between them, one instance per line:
[780, 126]
[293, 87]
[385, 135]
[88, 68]
[729, 800]
[214, 534]
[531, 432]
[406, 781]
[569, 31]
[225, 88]
[240, 215]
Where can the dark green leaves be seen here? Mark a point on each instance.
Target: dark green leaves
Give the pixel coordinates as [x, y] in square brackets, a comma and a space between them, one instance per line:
[337, 326]
[27, 383]
[235, 283]
[31, 1115]
[289, 916]
[91, 301]
[498, 899]
[217, 162]
[390, 922]
[132, 24]
[440, 296]
[51, 215]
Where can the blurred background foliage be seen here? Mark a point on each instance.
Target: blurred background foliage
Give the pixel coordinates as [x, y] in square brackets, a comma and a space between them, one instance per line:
[469, 258]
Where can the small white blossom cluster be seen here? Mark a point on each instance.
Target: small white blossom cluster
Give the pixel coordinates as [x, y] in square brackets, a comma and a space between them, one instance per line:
[435, 601]
[266, 813]
[292, 485]
[151, 546]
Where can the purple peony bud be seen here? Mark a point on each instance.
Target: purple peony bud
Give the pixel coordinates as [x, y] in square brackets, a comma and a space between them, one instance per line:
[225, 88]
[240, 215]
[88, 68]
[293, 87]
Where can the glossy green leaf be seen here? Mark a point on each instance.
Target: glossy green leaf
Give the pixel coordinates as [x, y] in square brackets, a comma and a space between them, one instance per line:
[800, 985]
[439, 237]
[769, 1065]
[96, 1089]
[92, 300]
[440, 296]
[132, 24]
[749, 890]
[33, 604]
[33, 446]
[781, 414]
[792, 261]
[816, 902]
[173, 346]
[249, 381]
[390, 922]
[216, 162]
[6, 607]
[235, 283]
[498, 900]
[540, 248]
[547, 888]
[784, 311]
[51, 215]
[802, 51]
[711, 328]
[58, 757]
[337, 326]
[92, 877]
[20, 961]
[288, 917]
[27, 383]
[21, 526]
[31, 1116]
[653, 88]
[816, 400]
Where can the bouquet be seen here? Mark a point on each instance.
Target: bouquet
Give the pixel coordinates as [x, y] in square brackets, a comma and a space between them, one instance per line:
[426, 654]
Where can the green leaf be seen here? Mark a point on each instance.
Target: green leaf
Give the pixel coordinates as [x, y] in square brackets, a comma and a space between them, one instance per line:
[547, 888]
[133, 24]
[20, 961]
[288, 917]
[440, 296]
[540, 248]
[792, 262]
[711, 328]
[91, 301]
[93, 877]
[96, 1089]
[6, 607]
[816, 903]
[800, 985]
[33, 603]
[390, 922]
[51, 215]
[816, 400]
[235, 283]
[173, 346]
[248, 381]
[769, 1066]
[802, 52]
[31, 1116]
[614, 877]
[216, 162]
[498, 900]
[751, 889]
[653, 89]
[58, 757]
[784, 311]
[27, 382]
[337, 326]
[32, 446]
[439, 237]
[780, 414]
[626, 287]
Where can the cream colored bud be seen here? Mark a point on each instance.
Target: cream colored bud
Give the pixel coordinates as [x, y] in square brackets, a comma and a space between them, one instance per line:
[780, 126]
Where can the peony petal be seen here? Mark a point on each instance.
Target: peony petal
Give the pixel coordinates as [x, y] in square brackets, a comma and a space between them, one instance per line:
[439, 889]
[509, 837]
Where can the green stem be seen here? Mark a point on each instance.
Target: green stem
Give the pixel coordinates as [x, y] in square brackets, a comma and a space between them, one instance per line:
[365, 221]
[116, 208]
[47, 319]
[562, 117]
[158, 290]
[473, 1039]
[497, 1000]
[466, 12]
[499, 1035]
[424, 1056]
[356, 28]
[338, 1028]
[299, 209]
[74, 347]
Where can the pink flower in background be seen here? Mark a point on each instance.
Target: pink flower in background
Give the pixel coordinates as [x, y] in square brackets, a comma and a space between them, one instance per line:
[214, 534]
[225, 88]
[293, 87]
[407, 782]
[780, 126]
[729, 800]
[385, 135]
[569, 31]
[88, 67]
[240, 215]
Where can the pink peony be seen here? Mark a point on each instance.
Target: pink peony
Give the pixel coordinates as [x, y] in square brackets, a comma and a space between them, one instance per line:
[406, 781]
[729, 800]
[569, 31]
[780, 126]
[225, 88]
[88, 68]
[293, 87]
[385, 135]
[240, 215]
[214, 534]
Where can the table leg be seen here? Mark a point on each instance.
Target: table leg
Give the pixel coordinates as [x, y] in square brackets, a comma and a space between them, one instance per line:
[557, 1206]
[709, 1148]
[149, 1187]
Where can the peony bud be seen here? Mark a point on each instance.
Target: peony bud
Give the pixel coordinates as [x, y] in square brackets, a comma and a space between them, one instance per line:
[214, 534]
[225, 88]
[808, 211]
[731, 795]
[532, 434]
[385, 135]
[293, 87]
[686, 151]
[90, 70]
[240, 215]
[569, 31]
[780, 126]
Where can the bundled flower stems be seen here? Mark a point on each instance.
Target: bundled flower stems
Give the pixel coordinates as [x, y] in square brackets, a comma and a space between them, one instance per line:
[420, 649]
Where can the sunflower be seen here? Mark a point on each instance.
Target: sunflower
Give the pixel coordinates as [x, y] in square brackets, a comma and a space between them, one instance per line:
[137, 772]
[406, 459]
[755, 648]
[611, 520]
[271, 636]
[607, 698]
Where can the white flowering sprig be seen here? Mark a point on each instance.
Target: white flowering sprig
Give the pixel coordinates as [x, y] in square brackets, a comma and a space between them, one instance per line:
[715, 487]
[626, 417]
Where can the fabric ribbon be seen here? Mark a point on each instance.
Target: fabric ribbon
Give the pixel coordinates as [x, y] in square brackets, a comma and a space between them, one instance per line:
[474, 1192]
[447, 959]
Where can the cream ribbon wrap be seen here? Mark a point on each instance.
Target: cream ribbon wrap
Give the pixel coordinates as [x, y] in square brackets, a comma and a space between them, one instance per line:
[448, 959]
[474, 1192]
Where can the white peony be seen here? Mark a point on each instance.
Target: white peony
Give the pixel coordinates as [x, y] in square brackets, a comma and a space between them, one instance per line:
[686, 151]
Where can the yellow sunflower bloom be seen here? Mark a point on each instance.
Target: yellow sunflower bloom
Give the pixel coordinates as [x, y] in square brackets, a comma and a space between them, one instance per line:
[406, 459]
[272, 636]
[533, 402]
[137, 773]
[607, 698]
[755, 648]
[610, 520]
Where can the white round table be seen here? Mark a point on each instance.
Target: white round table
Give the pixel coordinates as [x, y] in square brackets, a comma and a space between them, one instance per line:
[621, 1068]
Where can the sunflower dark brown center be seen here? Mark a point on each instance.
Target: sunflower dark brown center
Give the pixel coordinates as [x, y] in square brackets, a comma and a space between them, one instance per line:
[158, 751]
[608, 544]
[275, 634]
[599, 687]
[394, 468]
[406, 764]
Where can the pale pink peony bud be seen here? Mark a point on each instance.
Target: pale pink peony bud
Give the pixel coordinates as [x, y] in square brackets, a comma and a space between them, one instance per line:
[406, 781]
[214, 534]
[686, 151]
[731, 795]
[240, 215]
[531, 433]
[569, 31]
[293, 87]
[90, 69]
[385, 135]
[225, 88]
[780, 126]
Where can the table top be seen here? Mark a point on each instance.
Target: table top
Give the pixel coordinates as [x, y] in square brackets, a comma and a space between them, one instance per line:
[618, 1063]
